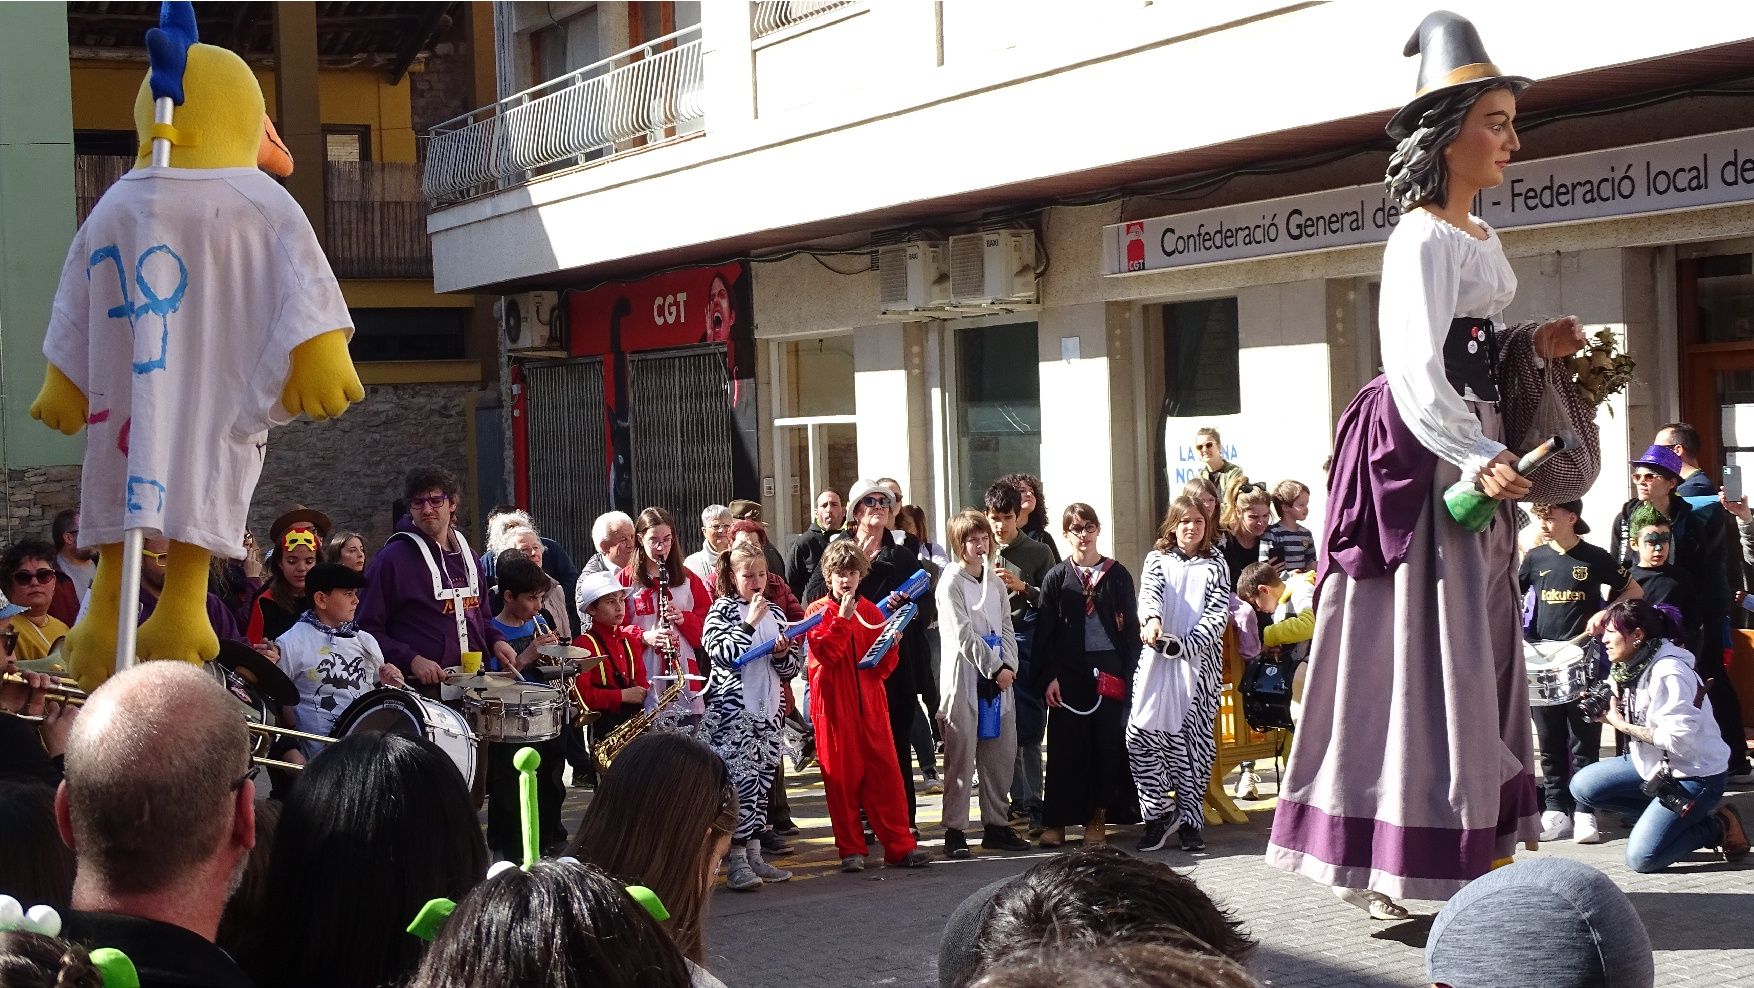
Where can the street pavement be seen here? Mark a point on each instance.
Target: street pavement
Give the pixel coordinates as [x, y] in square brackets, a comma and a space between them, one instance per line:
[825, 929]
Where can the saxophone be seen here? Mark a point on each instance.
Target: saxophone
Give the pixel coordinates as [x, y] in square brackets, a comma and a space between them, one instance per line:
[638, 724]
[613, 743]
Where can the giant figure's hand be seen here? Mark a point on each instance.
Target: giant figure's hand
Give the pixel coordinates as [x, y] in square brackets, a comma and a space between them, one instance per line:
[60, 405]
[322, 382]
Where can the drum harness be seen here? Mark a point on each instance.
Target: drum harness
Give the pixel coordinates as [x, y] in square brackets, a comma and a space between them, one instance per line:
[458, 596]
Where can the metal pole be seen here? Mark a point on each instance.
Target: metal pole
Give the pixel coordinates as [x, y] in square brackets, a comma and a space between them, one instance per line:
[134, 539]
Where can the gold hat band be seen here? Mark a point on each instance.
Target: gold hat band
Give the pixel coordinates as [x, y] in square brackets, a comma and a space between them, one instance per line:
[1472, 72]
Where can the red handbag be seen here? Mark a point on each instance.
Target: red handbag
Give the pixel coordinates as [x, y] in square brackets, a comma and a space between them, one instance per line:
[1110, 687]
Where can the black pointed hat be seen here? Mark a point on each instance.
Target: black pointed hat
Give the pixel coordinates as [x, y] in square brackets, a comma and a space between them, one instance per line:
[1450, 55]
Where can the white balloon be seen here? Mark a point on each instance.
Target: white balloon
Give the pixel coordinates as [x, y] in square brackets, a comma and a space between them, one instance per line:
[44, 919]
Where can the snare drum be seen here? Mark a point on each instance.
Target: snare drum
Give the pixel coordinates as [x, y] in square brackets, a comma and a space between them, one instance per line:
[1558, 671]
[400, 711]
[517, 713]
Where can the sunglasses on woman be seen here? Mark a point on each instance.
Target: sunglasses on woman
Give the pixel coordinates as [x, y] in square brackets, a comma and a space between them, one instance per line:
[875, 501]
[25, 577]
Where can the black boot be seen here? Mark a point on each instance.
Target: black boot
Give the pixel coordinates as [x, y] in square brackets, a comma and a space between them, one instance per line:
[955, 844]
[1003, 839]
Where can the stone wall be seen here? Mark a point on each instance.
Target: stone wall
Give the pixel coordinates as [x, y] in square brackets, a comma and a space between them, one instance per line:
[33, 496]
[351, 468]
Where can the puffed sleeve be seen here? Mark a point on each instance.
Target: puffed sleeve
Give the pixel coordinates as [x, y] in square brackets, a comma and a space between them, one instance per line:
[1420, 284]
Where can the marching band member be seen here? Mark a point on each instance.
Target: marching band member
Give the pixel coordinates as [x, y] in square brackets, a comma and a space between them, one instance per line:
[850, 709]
[424, 600]
[744, 703]
[1184, 594]
[670, 616]
[327, 657]
[617, 687]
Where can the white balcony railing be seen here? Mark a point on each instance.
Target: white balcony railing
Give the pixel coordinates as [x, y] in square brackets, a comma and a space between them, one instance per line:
[639, 98]
[773, 15]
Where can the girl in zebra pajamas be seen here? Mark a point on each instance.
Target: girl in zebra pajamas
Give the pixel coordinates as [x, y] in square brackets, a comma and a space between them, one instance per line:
[1183, 594]
[743, 705]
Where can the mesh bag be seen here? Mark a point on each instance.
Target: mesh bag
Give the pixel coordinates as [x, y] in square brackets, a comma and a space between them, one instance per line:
[1538, 400]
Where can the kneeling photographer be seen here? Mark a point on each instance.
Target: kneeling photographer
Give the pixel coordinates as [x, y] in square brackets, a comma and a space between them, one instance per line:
[1673, 778]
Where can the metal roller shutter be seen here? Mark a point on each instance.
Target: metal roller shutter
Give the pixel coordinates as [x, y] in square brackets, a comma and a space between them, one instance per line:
[569, 472]
[681, 426]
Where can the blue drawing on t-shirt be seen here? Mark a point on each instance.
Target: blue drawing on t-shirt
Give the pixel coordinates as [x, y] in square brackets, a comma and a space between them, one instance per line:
[153, 303]
[152, 486]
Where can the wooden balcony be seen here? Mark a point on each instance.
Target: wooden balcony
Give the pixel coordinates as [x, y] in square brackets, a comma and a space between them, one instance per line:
[376, 216]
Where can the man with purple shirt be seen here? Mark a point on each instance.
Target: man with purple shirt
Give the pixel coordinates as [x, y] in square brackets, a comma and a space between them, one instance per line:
[419, 579]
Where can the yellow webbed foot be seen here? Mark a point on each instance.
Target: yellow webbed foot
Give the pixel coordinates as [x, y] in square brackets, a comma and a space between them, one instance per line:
[322, 382]
[91, 644]
[179, 627]
[60, 404]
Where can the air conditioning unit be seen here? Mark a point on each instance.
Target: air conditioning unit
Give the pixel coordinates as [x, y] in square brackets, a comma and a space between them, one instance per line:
[911, 277]
[532, 321]
[993, 268]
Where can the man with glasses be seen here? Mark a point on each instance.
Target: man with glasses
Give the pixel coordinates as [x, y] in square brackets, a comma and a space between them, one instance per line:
[1220, 471]
[161, 831]
[806, 549]
[425, 599]
[31, 581]
[715, 538]
[871, 512]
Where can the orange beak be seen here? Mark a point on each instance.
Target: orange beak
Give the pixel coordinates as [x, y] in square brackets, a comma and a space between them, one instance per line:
[272, 156]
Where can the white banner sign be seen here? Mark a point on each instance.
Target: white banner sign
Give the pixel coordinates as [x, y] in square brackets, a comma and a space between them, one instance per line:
[1708, 170]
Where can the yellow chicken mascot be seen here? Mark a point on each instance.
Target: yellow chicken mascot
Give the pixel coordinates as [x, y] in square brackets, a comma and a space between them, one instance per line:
[195, 310]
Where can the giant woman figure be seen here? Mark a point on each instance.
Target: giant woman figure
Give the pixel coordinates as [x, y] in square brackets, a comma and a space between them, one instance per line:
[1410, 772]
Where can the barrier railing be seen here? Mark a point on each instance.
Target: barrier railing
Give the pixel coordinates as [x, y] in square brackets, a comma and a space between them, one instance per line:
[642, 97]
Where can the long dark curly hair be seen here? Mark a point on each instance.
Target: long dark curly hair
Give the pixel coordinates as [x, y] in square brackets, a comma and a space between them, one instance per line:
[1417, 174]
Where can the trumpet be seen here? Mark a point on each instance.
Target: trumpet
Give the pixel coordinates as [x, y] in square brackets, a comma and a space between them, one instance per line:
[67, 691]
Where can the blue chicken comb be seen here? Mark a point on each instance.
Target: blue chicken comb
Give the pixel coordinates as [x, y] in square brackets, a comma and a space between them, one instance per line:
[167, 49]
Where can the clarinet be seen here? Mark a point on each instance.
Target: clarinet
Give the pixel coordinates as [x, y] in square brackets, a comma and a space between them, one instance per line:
[672, 656]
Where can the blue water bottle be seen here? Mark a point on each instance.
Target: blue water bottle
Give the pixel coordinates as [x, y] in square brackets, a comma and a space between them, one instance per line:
[992, 711]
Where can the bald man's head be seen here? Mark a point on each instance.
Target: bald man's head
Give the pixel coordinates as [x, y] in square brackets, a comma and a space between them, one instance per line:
[153, 765]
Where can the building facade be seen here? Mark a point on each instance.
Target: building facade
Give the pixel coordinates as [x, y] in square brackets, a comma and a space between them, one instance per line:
[1090, 186]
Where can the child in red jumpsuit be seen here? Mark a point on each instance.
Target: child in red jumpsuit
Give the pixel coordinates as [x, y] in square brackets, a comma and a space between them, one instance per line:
[851, 713]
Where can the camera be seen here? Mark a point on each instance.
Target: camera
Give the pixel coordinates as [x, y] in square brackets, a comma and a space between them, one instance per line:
[1663, 787]
[1595, 699]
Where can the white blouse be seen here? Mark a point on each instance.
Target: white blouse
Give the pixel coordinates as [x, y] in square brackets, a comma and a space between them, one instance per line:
[1432, 274]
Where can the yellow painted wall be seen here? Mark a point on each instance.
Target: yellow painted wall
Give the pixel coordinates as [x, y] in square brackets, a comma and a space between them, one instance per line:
[103, 99]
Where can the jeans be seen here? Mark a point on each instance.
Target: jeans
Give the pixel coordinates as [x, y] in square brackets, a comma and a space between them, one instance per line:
[1660, 838]
[1569, 742]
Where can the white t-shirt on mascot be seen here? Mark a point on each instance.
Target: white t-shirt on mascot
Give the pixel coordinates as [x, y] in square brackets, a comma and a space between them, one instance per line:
[179, 306]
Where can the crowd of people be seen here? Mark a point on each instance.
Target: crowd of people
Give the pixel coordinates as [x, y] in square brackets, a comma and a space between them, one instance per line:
[1025, 641]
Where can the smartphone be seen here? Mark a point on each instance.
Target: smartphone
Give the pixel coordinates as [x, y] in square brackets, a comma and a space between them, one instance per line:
[1733, 482]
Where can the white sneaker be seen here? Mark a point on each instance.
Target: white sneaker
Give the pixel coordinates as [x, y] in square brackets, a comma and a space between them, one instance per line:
[1555, 825]
[1585, 831]
[763, 870]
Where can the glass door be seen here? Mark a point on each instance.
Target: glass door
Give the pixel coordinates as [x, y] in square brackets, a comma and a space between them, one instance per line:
[996, 408]
[1715, 294]
[816, 444]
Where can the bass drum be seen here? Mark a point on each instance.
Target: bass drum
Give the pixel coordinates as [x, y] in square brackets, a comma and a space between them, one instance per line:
[399, 711]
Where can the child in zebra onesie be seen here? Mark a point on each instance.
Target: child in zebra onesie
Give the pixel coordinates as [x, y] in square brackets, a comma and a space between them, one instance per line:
[743, 705]
[1183, 595]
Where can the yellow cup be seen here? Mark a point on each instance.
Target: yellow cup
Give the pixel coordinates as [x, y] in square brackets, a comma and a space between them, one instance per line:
[471, 662]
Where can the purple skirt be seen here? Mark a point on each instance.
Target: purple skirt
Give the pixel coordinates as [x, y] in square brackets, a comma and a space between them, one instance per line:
[1410, 768]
